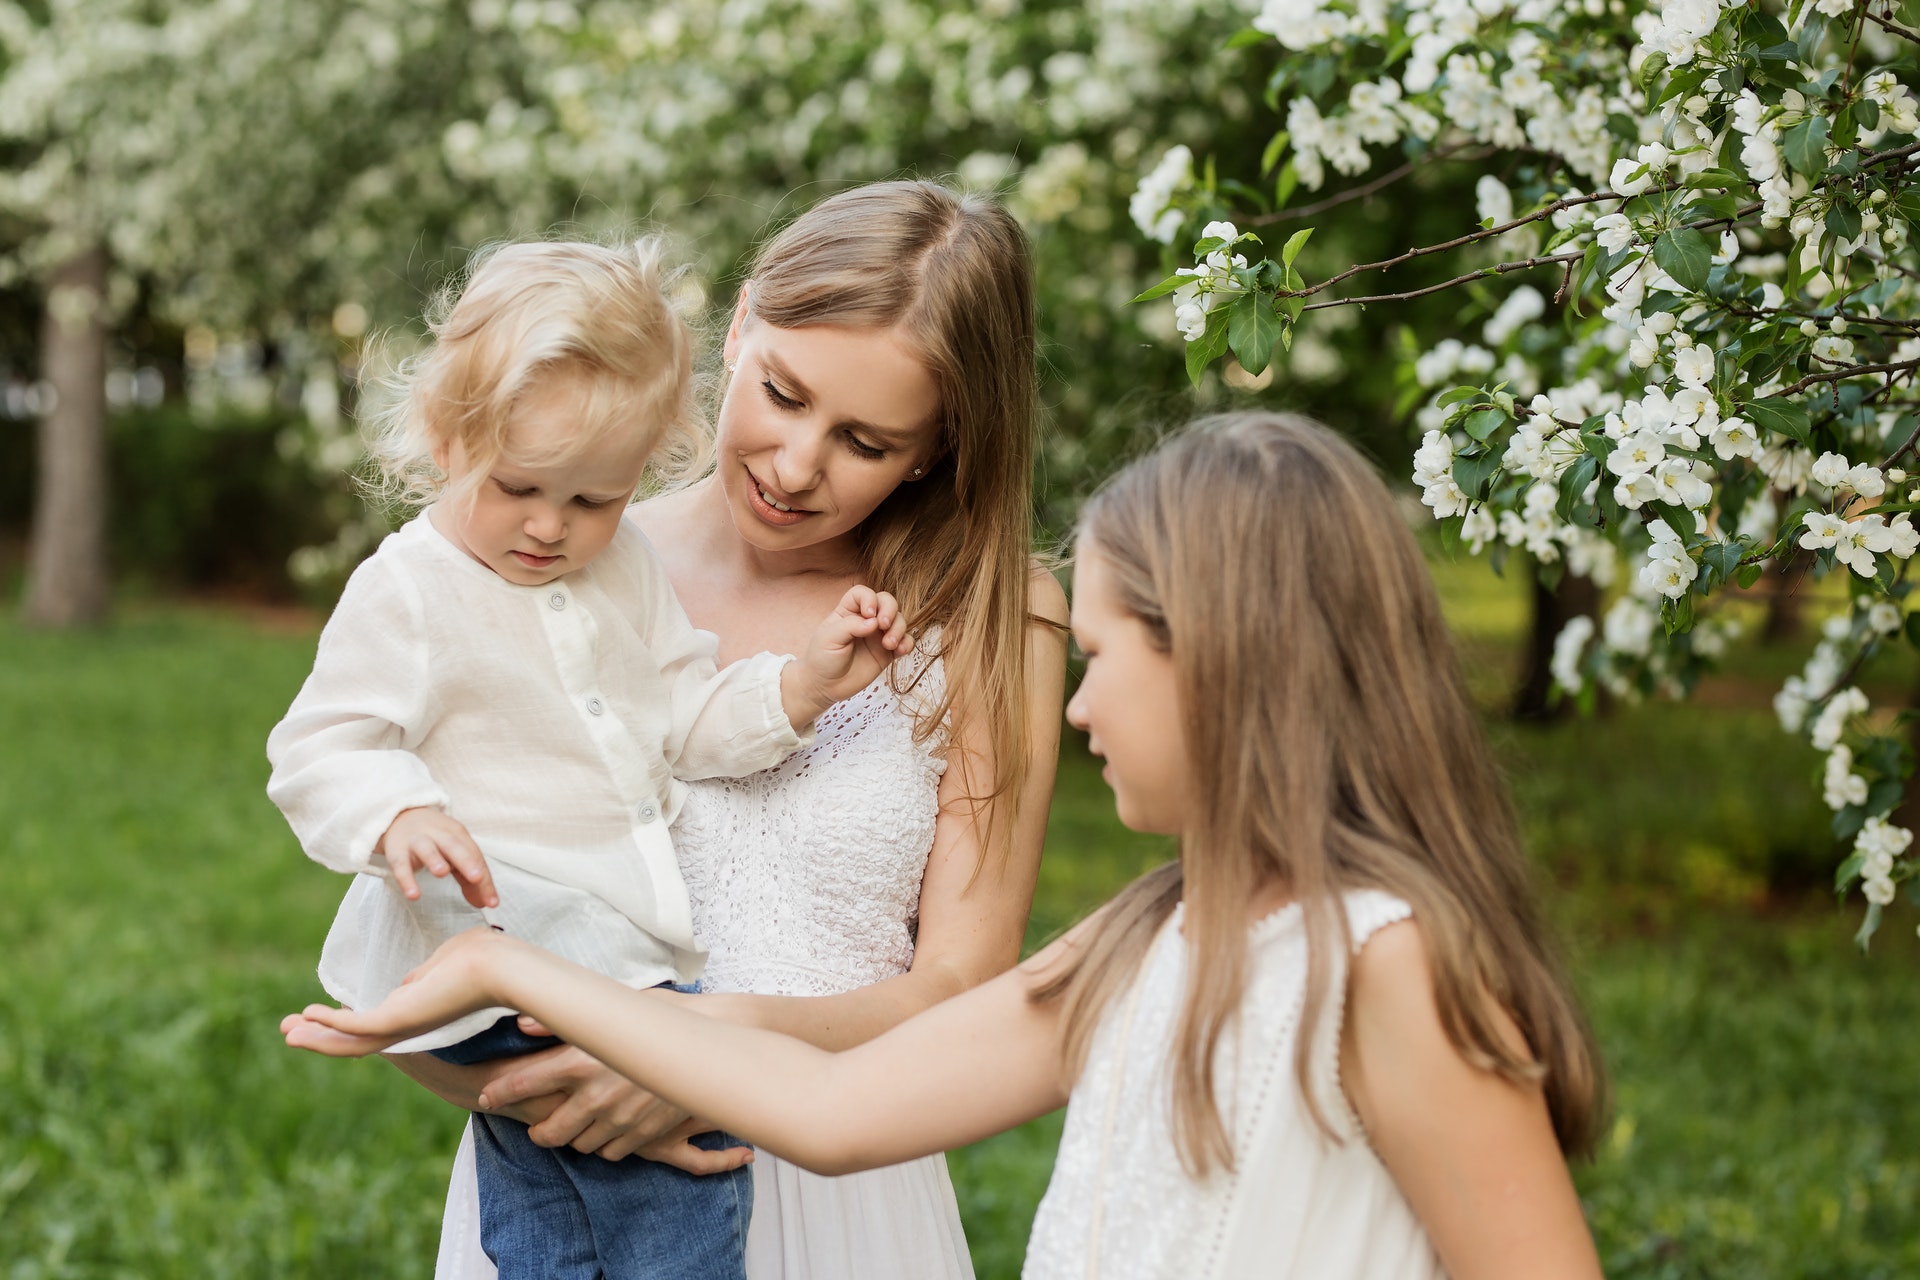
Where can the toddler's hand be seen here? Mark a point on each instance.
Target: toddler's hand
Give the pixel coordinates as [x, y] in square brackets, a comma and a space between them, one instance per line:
[429, 838]
[855, 643]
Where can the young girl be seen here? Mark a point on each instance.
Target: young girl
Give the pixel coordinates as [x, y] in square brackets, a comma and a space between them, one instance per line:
[1328, 1042]
[510, 673]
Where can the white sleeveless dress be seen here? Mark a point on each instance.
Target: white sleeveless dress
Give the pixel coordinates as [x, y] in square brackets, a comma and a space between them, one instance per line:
[805, 881]
[1120, 1207]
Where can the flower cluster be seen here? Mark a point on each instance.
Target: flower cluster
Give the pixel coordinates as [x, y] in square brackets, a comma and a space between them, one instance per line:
[1725, 379]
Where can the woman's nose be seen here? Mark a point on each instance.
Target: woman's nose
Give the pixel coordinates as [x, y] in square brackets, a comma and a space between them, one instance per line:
[800, 463]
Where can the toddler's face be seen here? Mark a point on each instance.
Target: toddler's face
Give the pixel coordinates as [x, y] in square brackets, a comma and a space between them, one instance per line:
[1127, 704]
[534, 518]
[819, 425]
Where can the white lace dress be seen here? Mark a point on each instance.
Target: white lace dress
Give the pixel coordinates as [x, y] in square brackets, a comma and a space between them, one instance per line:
[1120, 1207]
[805, 881]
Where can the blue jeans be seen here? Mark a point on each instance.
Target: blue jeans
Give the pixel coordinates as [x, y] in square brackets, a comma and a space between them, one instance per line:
[550, 1214]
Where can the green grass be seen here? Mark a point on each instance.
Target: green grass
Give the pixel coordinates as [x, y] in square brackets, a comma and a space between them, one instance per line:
[157, 919]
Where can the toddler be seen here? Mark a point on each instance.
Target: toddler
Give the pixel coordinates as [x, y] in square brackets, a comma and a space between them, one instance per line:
[505, 698]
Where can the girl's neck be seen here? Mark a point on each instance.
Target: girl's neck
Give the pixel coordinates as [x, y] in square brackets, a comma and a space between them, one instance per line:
[835, 558]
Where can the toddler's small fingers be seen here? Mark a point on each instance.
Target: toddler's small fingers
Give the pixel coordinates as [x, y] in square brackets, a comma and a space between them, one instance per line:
[403, 875]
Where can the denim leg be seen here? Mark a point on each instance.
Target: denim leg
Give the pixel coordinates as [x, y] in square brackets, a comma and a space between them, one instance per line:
[654, 1222]
[532, 1221]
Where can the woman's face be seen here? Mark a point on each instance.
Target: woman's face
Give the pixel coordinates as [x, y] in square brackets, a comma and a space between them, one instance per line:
[818, 426]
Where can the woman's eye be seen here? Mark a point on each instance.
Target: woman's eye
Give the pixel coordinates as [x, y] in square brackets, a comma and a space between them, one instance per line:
[861, 449]
[773, 394]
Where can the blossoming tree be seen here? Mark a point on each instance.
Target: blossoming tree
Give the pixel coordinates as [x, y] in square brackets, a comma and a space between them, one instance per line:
[1708, 368]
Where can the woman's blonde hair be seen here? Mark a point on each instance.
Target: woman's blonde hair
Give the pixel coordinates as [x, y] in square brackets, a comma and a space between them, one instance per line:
[953, 274]
[524, 312]
[1331, 747]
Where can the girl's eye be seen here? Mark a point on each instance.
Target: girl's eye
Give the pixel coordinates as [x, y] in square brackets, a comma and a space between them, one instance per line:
[773, 394]
[592, 504]
[861, 449]
[512, 492]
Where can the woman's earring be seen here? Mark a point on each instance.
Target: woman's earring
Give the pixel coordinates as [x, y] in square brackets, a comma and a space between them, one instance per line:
[916, 473]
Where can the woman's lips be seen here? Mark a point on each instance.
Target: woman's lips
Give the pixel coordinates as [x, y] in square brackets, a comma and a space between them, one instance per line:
[756, 498]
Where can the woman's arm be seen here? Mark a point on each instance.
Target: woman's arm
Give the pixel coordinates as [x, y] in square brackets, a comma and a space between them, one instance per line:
[1474, 1154]
[971, 1067]
[974, 900]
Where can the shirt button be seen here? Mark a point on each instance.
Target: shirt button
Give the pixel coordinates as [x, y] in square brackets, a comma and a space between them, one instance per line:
[595, 706]
[558, 600]
[648, 813]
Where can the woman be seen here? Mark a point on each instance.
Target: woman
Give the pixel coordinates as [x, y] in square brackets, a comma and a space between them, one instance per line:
[878, 425]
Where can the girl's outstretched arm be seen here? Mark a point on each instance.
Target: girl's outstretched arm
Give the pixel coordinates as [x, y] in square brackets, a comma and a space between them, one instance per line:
[961, 1071]
[1474, 1154]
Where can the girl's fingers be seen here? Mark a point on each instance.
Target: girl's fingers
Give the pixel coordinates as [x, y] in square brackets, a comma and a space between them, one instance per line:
[860, 601]
[533, 1026]
[473, 872]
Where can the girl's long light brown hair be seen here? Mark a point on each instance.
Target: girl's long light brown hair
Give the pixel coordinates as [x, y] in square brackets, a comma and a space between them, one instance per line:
[1332, 747]
[953, 274]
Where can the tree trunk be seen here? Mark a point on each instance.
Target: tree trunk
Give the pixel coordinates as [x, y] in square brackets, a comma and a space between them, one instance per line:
[67, 563]
[1552, 609]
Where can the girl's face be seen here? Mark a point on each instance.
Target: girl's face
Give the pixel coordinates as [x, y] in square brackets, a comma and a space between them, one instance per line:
[1127, 704]
[531, 518]
[819, 425]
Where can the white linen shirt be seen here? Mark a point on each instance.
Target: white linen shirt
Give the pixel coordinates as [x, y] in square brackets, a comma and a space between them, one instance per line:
[554, 722]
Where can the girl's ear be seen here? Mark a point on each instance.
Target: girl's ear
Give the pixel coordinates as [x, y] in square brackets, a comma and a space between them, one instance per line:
[730, 352]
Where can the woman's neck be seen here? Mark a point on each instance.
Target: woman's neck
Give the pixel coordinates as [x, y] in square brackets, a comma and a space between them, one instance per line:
[836, 558]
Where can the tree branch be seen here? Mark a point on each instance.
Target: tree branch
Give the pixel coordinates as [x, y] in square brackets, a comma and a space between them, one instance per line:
[1498, 269]
[1902, 32]
[1850, 371]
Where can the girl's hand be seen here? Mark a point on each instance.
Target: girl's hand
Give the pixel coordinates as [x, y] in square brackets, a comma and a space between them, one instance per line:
[427, 838]
[855, 643]
[604, 1113]
[455, 980]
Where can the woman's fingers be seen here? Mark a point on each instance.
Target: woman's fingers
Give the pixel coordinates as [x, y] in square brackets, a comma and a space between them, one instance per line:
[305, 1033]
[675, 1149]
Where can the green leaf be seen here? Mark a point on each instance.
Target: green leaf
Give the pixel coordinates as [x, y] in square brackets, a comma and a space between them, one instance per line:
[1786, 417]
[1162, 289]
[1573, 484]
[1284, 186]
[1867, 112]
[1748, 575]
[1252, 329]
[1245, 37]
[1474, 474]
[1869, 925]
[1210, 346]
[1652, 69]
[1805, 146]
[1843, 222]
[1456, 395]
[1271, 156]
[1907, 204]
[1295, 242]
[1913, 629]
[1677, 614]
[1482, 423]
[1845, 874]
[1684, 254]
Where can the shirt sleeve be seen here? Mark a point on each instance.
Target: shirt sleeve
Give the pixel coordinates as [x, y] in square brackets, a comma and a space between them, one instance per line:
[726, 721]
[341, 770]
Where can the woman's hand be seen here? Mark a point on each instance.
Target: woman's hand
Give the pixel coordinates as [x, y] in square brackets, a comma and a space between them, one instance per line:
[455, 980]
[602, 1112]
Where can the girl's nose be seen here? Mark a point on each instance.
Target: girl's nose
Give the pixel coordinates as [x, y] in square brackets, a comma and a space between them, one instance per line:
[1076, 712]
[547, 524]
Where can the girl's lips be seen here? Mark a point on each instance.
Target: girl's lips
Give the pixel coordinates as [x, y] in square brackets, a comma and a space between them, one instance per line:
[766, 510]
[532, 561]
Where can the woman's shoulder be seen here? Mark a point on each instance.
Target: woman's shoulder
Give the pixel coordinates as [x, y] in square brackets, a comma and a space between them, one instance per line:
[1046, 598]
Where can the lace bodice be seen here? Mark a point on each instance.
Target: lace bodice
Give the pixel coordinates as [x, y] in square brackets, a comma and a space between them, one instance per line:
[1121, 1207]
[805, 878]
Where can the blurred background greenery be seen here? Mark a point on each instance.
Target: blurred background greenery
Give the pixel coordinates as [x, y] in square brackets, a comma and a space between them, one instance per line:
[272, 186]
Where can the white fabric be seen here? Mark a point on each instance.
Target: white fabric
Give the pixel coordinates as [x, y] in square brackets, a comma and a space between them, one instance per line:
[552, 721]
[1120, 1206]
[806, 881]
